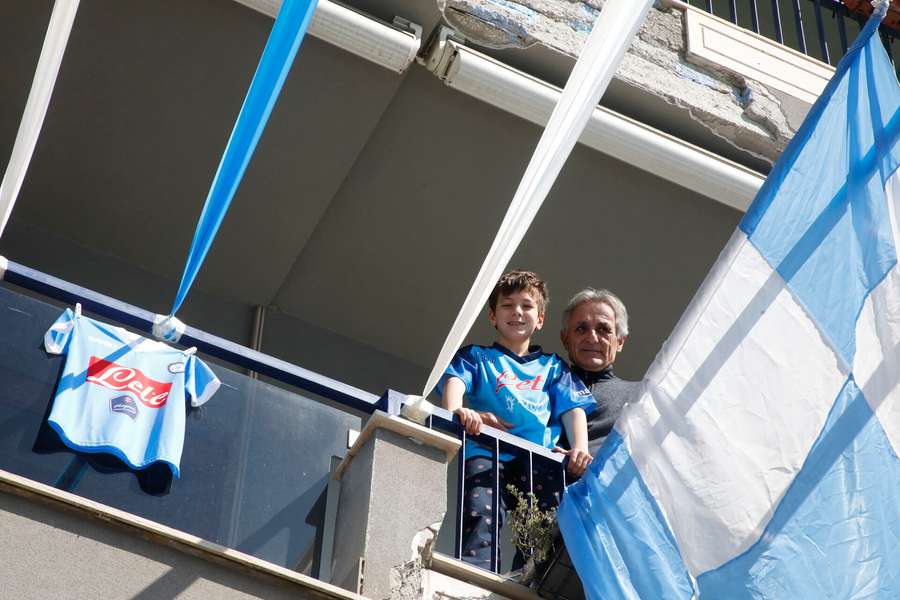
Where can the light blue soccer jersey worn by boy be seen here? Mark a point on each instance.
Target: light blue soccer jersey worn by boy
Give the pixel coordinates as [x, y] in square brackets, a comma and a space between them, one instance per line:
[530, 391]
[124, 394]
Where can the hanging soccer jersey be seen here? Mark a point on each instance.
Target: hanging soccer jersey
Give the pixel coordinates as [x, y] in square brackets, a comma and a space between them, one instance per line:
[122, 393]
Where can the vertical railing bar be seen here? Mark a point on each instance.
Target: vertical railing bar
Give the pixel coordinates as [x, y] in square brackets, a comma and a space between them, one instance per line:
[798, 22]
[891, 51]
[71, 476]
[842, 28]
[461, 497]
[531, 479]
[776, 17]
[886, 41]
[495, 510]
[754, 16]
[820, 25]
[732, 5]
[530, 472]
[709, 7]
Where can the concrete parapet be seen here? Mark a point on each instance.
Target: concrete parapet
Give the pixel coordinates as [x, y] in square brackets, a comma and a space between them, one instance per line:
[393, 496]
[54, 544]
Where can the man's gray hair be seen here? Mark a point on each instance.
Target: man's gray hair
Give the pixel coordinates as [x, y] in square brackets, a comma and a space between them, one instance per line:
[594, 295]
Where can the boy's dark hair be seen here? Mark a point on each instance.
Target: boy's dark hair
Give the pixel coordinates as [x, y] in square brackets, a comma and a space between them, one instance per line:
[515, 281]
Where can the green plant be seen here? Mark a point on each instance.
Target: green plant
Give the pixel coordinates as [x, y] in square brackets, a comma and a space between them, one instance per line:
[532, 528]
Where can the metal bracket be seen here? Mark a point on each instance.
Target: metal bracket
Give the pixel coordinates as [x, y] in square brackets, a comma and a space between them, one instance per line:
[415, 29]
[407, 25]
[438, 53]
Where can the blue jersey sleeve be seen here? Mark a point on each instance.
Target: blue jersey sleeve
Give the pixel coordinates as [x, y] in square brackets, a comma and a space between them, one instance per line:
[463, 366]
[200, 383]
[568, 392]
[56, 340]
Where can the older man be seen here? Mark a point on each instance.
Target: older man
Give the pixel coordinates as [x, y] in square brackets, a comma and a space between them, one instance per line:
[594, 330]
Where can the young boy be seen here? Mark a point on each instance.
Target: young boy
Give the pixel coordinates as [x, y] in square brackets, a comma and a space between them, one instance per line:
[516, 387]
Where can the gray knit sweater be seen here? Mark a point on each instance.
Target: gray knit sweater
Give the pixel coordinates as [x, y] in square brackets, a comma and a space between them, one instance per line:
[611, 394]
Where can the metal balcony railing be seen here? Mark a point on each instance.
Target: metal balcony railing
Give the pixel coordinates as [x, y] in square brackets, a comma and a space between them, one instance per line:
[822, 29]
[257, 460]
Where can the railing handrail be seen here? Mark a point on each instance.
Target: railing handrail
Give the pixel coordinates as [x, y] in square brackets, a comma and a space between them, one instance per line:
[441, 418]
[142, 320]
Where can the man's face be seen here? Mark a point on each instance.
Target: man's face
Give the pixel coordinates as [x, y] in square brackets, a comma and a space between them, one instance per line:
[590, 336]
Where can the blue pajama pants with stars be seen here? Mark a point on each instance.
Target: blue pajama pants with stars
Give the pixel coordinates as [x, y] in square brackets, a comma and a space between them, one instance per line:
[478, 517]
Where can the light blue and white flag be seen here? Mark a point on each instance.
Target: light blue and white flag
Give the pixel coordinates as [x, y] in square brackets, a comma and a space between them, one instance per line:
[761, 460]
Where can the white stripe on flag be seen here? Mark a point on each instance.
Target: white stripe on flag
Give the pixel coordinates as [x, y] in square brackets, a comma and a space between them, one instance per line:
[878, 330]
[36, 107]
[720, 433]
[612, 34]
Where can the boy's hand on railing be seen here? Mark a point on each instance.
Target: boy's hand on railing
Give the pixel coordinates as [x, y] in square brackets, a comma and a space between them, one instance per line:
[472, 420]
[578, 460]
[469, 419]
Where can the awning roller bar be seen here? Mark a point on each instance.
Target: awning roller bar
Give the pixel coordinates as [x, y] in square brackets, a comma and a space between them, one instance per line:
[608, 132]
[393, 47]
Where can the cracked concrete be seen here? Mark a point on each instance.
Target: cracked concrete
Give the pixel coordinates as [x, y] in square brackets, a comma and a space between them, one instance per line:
[413, 580]
[743, 112]
[407, 579]
[424, 584]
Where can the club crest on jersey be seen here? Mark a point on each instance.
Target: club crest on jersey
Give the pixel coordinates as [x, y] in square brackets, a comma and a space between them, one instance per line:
[124, 405]
[105, 373]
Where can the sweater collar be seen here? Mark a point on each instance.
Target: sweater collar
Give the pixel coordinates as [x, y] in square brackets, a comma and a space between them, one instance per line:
[592, 377]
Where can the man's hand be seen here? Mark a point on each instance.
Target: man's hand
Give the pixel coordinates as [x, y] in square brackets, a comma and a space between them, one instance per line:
[575, 423]
[578, 460]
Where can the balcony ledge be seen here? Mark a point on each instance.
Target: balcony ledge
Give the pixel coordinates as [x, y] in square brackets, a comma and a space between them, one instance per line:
[25, 488]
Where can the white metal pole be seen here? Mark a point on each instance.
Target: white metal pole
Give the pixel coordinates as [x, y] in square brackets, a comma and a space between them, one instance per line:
[36, 107]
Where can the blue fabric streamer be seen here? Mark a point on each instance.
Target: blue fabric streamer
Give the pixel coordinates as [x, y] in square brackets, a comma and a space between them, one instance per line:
[284, 41]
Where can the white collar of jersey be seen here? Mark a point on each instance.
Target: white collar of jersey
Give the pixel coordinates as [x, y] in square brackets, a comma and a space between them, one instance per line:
[137, 342]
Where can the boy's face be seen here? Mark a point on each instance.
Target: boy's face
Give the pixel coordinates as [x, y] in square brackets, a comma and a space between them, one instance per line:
[516, 317]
